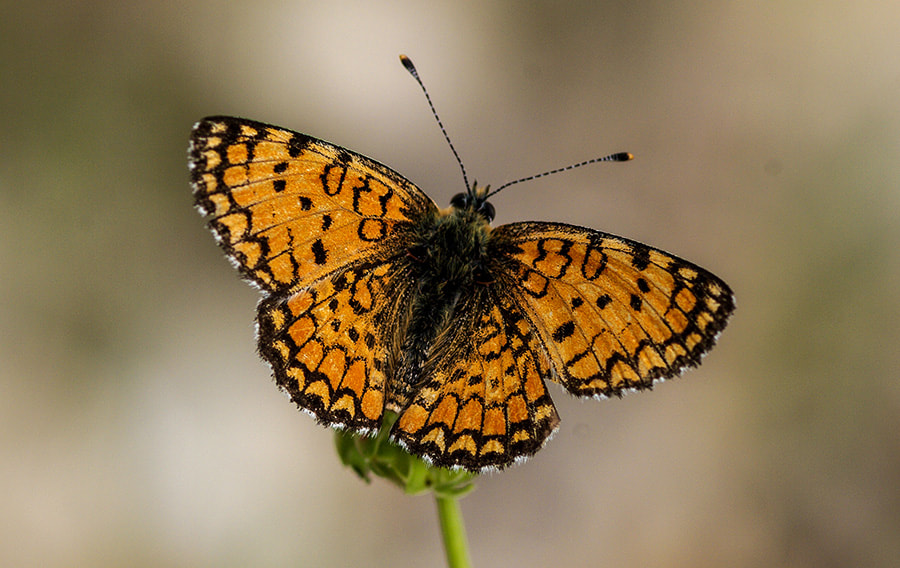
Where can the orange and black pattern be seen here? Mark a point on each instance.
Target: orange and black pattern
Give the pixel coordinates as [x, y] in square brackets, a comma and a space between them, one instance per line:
[613, 314]
[377, 300]
[289, 209]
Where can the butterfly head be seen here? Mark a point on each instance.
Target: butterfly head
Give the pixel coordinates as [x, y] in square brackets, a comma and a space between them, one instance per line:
[475, 200]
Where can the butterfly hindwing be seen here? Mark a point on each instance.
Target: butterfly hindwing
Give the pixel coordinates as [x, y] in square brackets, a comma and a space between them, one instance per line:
[289, 209]
[329, 344]
[484, 403]
[612, 314]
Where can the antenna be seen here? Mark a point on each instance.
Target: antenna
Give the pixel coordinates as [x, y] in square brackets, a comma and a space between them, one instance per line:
[618, 157]
[407, 62]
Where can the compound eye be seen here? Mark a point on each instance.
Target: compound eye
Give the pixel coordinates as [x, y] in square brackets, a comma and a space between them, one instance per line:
[487, 210]
[460, 201]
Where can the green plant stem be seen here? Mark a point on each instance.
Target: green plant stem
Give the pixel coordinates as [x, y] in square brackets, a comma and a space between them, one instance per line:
[453, 532]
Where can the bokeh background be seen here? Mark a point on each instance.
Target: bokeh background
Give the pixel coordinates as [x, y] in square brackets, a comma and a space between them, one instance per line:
[138, 427]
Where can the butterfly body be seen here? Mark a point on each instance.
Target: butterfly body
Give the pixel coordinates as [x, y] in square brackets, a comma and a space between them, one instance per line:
[375, 300]
[445, 258]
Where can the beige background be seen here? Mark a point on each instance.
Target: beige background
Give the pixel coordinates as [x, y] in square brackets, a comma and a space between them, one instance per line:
[138, 427]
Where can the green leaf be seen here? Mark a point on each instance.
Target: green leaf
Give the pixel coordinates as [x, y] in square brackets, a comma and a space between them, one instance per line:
[378, 456]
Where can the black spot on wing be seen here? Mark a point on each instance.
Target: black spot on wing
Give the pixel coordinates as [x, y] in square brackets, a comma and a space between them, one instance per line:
[319, 253]
[640, 256]
[564, 331]
[643, 286]
[635, 302]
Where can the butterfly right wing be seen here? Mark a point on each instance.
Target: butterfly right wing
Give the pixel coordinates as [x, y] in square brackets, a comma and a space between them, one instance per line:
[289, 209]
[324, 233]
[330, 344]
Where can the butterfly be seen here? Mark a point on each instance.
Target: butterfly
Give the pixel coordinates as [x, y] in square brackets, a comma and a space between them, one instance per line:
[376, 302]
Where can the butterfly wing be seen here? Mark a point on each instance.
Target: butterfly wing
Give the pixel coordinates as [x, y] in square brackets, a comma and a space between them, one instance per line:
[484, 403]
[289, 209]
[330, 344]
[322, 231]
[612, 314]
[597, 313]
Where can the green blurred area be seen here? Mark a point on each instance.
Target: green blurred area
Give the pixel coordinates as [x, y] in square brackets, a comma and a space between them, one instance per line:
[138, 428]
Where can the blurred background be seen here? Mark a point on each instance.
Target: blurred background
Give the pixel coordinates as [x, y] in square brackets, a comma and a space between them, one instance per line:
[139, 428]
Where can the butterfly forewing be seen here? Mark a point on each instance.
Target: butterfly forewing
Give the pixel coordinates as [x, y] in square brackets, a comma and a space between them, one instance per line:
[612, 314]
[289, 209]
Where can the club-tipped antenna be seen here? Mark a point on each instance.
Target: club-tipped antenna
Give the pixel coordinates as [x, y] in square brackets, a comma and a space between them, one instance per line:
[407, 62]
[617, 157]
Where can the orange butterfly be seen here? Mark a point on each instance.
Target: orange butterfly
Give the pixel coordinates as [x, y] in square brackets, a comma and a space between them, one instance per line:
[376, 300]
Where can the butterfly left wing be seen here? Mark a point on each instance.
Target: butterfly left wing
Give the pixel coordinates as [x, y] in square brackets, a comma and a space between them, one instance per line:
[597, 313]
[612, 314]
[484, 403]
